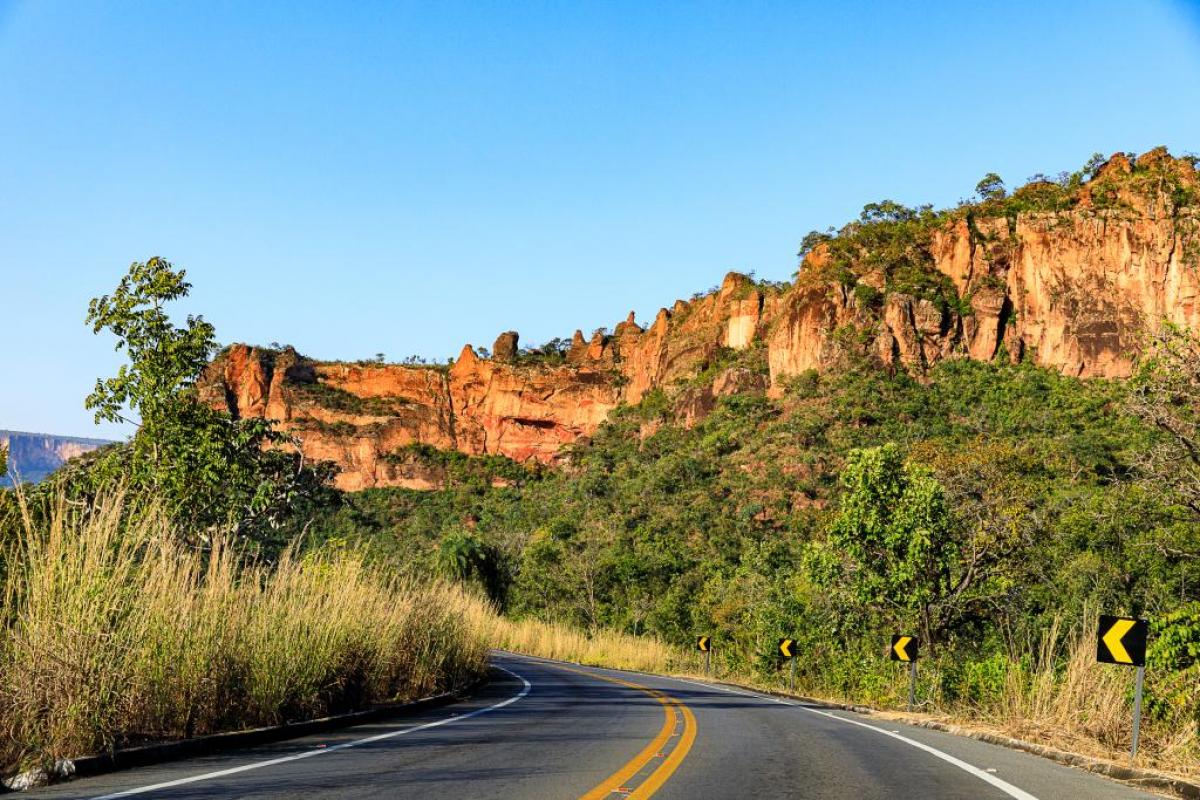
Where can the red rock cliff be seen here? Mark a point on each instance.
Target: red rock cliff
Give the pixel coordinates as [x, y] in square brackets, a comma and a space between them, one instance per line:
[1074, 288]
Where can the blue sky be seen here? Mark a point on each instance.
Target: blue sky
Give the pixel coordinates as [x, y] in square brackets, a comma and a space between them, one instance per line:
[405, 178]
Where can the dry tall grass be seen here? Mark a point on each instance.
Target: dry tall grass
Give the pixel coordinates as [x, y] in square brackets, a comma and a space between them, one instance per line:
[1064, 699]
[602, 648]
[112, 633]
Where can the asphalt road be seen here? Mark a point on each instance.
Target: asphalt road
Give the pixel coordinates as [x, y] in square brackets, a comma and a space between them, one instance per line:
[546, 730]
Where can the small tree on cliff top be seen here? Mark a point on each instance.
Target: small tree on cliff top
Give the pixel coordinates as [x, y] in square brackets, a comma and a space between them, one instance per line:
[213, 473]
[991, 187]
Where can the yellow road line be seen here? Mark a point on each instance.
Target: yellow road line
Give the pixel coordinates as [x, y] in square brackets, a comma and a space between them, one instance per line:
[654, 781]
[657, 778]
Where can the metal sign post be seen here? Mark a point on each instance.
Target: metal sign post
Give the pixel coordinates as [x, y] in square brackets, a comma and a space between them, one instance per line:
[1122, 640]
[907, 649]
[1137, 710]
[704, 645]
[787, 649]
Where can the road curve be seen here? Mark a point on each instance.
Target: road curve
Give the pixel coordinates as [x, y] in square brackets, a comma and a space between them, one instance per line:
[544, 729]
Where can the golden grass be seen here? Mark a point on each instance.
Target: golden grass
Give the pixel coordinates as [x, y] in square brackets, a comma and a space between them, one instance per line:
[601, 648]
[1067, 700]
[112, 633]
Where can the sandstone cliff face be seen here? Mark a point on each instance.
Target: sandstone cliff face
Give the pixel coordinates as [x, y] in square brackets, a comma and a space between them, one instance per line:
[1074, 289]
[367, 417]
[1078, 290]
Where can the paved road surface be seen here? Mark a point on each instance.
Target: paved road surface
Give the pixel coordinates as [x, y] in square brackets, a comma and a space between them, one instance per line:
[547, 730]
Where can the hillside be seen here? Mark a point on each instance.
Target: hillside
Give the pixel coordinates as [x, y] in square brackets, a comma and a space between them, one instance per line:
[976, 426]
[1068, 273]
[33, 456]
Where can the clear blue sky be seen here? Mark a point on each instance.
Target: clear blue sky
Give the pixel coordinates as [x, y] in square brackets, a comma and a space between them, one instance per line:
[404, 178]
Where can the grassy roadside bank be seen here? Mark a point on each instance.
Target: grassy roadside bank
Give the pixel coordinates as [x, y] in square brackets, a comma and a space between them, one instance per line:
[1062, 700]
[113, 634]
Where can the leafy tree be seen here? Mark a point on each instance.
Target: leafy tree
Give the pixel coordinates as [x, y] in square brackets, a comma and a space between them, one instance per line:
[163, 360]
[893, 535]
[461, 556]
[991, 187]
[813, 240]
[1093, 165]
[1175, 652]
[212, 472]
[1165, 394]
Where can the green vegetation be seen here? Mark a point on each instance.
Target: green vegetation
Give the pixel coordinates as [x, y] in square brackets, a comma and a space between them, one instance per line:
[891, 240]
[551, 353]
[166, 587]
[460, 470]
[891, 546]
[332, 397]
[212, 475]
[993, 509]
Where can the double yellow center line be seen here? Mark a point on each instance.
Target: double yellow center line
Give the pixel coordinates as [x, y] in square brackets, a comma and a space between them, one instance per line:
[638, 778]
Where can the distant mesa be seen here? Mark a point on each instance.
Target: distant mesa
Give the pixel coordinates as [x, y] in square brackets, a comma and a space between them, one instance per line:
[33, 456]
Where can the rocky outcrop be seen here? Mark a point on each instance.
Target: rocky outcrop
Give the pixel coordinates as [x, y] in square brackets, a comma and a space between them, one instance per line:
[1074, 289]
[367, 418]
[528, 412]
[800, 338]
[505, 346]
[33, 456]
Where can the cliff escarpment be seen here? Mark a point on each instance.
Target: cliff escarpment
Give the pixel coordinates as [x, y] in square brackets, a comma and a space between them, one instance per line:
[1069, 273]
[33, 456]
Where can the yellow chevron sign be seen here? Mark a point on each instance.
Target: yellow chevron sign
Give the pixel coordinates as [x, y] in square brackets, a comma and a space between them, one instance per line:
[787, 648]
[904, 648]
[1121, 640]
[702, 644]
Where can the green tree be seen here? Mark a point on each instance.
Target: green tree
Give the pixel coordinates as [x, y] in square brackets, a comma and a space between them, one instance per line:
[1093, 165]
[212, 472]
[464, 557]
[1164, 396]
[890, 546]
[163, 360]
[990, 187]
[1175, 652]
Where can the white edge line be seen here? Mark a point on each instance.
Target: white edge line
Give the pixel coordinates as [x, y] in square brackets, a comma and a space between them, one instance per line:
[310, 753]
[1004, 786]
